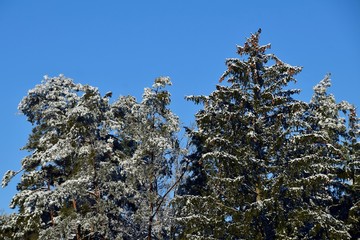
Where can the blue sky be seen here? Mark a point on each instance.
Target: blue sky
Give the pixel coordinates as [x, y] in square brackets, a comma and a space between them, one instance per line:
[121, 46]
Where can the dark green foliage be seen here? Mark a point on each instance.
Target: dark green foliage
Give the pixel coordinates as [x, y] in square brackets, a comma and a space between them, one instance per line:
[273, 167]
[242, 128]
[260, 164]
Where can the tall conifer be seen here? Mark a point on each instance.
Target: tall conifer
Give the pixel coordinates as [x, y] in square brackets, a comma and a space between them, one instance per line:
[243, 125]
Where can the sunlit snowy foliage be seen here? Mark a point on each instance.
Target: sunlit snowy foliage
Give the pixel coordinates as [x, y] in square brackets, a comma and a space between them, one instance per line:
[259, 163]
[95, 170]
[269, 166]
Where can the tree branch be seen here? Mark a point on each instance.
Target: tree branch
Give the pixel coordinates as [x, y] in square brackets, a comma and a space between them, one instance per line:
[168, 191]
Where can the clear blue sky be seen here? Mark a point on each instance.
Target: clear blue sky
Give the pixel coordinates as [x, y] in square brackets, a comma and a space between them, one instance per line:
[123, 45]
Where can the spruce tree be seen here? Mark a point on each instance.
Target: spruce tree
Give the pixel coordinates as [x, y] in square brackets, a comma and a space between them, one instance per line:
[270, 166]
[307, 183]
[260, 165]
[243, 125]
[347, 202]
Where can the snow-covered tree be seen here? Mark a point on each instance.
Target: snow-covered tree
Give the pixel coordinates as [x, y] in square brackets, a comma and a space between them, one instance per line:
[149, 170]
[95, 170]
[270, 166]
[260, 165]
[243, 126]
[353, 176]
[347, 207]
[194, 184]
[6, 229]
[307, 184]
[63, 189]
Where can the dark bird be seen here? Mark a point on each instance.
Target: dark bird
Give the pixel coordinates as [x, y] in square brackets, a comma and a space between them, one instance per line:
[108, 95]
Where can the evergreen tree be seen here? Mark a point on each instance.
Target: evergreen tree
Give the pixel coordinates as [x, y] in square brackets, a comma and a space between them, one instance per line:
[95, 170]
[63, 191]
[243, 126]
[307, 184]
[275, 167]
[6, 230]
[194, 184]
[348, 201]
[260, 165]
[149, 169]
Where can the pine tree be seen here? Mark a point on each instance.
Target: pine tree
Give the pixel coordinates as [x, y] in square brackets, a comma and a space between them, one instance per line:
[62, 192]
[6, 229]
[194, 184]
[149, 170]
[195, 181]
[95, 170]
[260, 165]
[347, 207]
[243, 126]
[307, 183]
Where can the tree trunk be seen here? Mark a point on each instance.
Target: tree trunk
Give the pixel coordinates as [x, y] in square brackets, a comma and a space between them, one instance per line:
[151, 212]
[258, 193]
[78, 236]
[150, 228]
